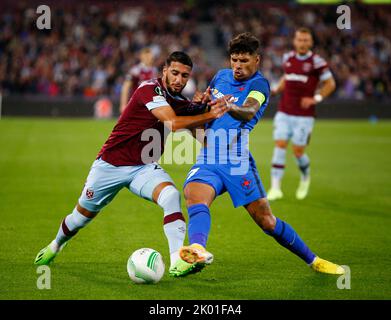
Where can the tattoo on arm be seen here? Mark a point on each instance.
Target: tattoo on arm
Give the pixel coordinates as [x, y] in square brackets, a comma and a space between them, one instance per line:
[246, 112]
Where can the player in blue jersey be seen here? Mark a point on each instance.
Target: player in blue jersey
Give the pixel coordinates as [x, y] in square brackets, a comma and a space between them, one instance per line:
[225, 163]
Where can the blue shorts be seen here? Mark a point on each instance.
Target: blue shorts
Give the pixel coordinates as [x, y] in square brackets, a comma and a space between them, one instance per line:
[243, 188]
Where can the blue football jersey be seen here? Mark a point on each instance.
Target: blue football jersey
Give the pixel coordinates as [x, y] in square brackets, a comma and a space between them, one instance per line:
[227, 137]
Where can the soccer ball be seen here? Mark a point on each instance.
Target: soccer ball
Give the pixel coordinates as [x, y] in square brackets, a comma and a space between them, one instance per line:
[145, 266]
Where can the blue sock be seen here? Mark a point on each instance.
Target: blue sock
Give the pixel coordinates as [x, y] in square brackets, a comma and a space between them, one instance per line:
[288, 238]
[199, 224]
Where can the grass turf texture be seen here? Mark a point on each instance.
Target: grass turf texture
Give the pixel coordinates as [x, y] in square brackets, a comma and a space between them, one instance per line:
[346, 219]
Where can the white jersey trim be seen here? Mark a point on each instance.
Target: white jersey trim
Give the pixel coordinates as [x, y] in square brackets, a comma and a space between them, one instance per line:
[319, 62]
[157, 103]
[287, 55]
[325, 75]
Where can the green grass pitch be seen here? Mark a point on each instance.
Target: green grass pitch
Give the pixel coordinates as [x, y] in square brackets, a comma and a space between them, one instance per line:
[346, 219]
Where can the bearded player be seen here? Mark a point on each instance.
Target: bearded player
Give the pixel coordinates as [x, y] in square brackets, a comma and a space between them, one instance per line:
[123, 162]
[294, 121]
[229, 166]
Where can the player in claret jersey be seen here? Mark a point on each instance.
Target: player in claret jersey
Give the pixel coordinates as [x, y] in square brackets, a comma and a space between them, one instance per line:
[144, 70]
[303, 71]
[125, 160]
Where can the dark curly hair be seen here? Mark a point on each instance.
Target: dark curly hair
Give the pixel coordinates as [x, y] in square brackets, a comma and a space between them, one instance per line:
[244, 43]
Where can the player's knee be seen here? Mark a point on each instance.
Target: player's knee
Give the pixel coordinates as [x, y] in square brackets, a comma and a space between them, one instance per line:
[156, 190]
[283, 144]
[298, 151]
[86, 213]
[169, 196]
[193, 196]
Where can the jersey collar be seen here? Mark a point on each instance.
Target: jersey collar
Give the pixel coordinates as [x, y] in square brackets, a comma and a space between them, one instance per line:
[304, 56]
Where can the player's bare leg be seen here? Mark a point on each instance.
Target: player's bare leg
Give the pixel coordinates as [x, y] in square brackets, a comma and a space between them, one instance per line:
[199, 197]
[286, 236]
[303, 163]
[71, 224]
[277, 171]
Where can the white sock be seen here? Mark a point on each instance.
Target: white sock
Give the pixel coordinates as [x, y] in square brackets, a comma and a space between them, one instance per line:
[276, 183]
[70, 226]
[174, 257]
[278, 167]
[174, 223]
[54, 246]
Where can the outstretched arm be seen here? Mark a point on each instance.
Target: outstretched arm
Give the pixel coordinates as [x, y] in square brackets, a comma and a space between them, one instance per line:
[246, 112]
[250, 107]
[167, 115]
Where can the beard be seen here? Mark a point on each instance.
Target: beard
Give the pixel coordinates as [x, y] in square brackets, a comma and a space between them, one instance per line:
[170, 89]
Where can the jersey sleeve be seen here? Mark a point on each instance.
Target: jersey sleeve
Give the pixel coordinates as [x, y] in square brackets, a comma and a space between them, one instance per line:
[322, 68]
[131, 74]
[260, 91]
[151, 95]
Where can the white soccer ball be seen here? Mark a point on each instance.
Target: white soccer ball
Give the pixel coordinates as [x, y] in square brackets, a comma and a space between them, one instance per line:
[145, 266]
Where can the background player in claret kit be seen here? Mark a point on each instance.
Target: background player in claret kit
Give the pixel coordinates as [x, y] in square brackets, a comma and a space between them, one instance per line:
[230, 167]
[303, 70]
[144, 70]
[120, 163]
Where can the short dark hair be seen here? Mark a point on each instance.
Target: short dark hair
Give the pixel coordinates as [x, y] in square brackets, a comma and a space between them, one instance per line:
[244, 43]
[304, 30]
[179, 56]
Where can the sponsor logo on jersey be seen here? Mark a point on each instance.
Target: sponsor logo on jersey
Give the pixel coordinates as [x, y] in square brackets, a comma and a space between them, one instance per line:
[296, 77]
[219, 95]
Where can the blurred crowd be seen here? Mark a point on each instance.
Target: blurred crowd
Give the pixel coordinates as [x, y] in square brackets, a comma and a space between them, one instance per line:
[360, 58]
[90, 48]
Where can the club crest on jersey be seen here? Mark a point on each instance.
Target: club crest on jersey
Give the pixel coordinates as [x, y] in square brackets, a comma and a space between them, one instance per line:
[306, 66]
[89, 193]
